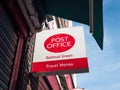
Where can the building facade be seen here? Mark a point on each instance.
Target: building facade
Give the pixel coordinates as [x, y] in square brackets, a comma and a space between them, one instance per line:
[17, 35]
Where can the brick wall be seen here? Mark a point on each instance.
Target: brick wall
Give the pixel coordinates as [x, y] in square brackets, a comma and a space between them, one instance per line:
[25, 79]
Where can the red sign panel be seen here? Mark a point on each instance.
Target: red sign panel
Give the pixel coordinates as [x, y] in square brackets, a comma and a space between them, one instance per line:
[59, 43]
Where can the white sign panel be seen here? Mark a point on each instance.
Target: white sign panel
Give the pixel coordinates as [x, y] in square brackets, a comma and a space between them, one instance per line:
[60, 51]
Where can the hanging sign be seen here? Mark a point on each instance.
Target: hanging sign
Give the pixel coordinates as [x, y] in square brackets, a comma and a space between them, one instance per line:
[60, 51]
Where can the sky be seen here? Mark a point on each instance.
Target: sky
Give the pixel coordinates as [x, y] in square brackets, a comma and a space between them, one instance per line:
[104, 65]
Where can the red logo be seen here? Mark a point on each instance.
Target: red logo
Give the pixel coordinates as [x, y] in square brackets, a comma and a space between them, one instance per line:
[59, 43]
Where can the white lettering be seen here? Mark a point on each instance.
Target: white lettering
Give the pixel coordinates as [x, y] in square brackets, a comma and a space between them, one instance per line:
[57, 45]
[66, 64]
[61, 39]
[51, 65]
